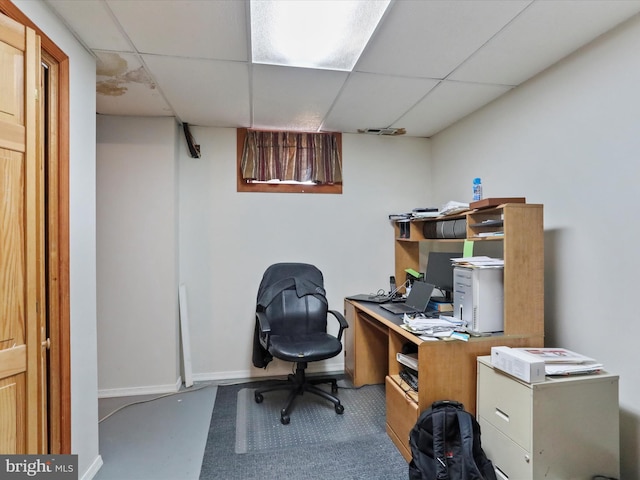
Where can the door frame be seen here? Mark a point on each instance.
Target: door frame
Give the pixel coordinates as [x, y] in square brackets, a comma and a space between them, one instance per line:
[57, 245]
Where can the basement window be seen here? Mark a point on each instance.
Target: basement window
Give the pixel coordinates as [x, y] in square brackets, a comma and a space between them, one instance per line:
[289, 162]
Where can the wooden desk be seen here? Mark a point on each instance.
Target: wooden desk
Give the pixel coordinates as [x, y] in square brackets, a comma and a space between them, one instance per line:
[446, 369]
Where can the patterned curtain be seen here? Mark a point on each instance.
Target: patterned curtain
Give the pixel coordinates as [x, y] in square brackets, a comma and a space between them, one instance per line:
[286, 156]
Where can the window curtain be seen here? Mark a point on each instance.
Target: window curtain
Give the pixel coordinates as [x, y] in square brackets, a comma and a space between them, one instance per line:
[287, 156]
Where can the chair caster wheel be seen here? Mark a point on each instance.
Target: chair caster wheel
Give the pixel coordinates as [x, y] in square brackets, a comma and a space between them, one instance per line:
[334, 388]
[285, 419]
[258, 397]
[339, 409]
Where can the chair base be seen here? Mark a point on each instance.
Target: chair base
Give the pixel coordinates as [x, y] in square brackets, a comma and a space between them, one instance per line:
[298, 384]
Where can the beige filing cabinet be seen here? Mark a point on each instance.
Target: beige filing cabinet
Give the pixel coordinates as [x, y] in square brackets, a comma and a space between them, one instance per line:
[564, 428]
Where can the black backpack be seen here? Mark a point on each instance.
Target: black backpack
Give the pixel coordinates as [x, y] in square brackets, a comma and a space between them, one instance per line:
[445, 445]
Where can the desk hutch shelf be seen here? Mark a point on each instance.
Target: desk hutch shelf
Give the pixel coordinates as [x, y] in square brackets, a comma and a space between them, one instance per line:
[447, 369]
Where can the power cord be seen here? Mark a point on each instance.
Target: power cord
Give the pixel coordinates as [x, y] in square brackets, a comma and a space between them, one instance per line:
[189, 390]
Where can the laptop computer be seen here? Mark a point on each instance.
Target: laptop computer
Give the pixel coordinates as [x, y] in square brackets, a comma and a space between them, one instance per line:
[416, 302]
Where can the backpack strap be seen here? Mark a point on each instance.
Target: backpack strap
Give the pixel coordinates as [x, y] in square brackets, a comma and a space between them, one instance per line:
[466, 435]
[438, 418]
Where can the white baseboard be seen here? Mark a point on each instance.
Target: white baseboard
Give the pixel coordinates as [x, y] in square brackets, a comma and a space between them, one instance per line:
[146, 390]
[274, 369]
[93, 469]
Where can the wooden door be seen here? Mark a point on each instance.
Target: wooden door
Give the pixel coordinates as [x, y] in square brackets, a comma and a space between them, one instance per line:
[22, 260]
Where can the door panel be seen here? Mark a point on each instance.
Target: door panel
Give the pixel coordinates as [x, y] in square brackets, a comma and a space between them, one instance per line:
[12, 248]
[8, 419]
[21, 242]
[12, 46]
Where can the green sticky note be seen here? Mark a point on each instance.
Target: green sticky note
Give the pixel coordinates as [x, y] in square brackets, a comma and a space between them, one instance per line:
[412, 272]
[467, 250]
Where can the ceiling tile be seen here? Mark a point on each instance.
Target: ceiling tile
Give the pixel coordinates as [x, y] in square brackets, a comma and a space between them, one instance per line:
[545, 33]
[375, 101]
[204, 92]
[92, 22]
[194, 29]
[431, 38]
[293, 98]
[191, 58]
[445, 104]
[124, 87]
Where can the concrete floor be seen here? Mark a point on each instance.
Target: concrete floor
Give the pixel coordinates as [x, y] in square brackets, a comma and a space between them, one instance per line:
[160, 439]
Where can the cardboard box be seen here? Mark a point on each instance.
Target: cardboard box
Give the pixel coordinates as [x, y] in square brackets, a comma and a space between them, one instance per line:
[520, 364]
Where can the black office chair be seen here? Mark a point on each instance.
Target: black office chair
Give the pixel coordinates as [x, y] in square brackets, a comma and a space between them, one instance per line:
[291, 324]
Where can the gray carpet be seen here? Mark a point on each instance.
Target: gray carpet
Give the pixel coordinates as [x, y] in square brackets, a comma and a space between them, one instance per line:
[304, 449]
[313, 419]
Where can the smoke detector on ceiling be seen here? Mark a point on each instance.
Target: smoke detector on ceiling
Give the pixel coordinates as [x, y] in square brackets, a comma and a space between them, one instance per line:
[383, 131]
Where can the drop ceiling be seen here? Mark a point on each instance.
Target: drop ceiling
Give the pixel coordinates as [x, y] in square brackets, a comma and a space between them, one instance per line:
[428, 64]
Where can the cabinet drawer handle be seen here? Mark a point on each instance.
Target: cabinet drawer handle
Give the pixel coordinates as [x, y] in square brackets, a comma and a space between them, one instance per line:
[502, 415]
[500, 474]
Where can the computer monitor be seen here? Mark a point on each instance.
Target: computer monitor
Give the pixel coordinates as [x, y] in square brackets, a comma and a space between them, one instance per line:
[440, 272]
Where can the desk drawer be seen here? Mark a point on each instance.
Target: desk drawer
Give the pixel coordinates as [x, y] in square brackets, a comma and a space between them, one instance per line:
[402, 412]
[510, 460]
[506, 404]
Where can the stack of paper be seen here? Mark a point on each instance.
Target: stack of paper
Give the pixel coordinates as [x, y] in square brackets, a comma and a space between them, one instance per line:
[481, 261]
[425, 214]
[560, 361]
[432, 327]
[452, 207]
[408, 359]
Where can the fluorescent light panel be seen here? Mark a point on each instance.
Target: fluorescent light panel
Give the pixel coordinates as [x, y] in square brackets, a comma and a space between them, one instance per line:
[325, 34]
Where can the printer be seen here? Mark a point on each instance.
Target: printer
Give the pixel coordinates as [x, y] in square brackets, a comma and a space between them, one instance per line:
[478, 298]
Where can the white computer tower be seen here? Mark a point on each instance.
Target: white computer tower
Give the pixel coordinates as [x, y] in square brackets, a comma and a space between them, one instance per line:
[478, 298]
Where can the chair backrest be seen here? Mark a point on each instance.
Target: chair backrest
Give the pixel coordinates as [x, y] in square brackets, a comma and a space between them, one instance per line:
[293, 298]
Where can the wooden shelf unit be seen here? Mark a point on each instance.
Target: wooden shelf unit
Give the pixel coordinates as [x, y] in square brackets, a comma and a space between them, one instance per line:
[523, 253]
[447, 369]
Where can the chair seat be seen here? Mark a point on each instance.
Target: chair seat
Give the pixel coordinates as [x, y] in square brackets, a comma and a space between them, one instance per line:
[305, 348]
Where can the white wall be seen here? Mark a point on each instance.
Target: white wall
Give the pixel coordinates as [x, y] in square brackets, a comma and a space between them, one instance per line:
[137, 218]
[84, 403]
[228, 239]
[570, 139]
[567, 139]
